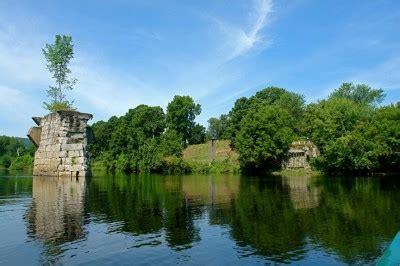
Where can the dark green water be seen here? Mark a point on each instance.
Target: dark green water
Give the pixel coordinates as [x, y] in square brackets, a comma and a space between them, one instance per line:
[201, 220]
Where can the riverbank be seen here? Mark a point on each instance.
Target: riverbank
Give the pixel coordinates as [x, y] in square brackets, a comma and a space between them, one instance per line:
[195, 159]
[226, 159]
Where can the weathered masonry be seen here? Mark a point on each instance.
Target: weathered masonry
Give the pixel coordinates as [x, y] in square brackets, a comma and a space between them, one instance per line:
[300, 153]
[61, 139]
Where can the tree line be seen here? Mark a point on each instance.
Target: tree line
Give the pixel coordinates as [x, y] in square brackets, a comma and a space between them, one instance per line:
[146, 138]
[354, 133]
[16, 153]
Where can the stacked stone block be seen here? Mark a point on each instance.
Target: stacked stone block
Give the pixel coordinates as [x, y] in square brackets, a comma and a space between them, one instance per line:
[300, 153]
[62, 149]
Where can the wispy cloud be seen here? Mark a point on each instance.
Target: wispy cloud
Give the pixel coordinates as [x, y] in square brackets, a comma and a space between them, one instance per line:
[242, 39]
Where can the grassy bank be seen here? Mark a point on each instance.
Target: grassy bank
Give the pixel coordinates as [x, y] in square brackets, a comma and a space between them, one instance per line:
[197, 158]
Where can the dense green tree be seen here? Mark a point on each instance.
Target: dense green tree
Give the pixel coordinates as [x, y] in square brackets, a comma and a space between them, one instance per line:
[150, 121]
[197, 135]
[385, 132]
[181, 112]
[136, 141]
[58, 56]
[352, 134]
[264, 138]
[218, 127]
[239, 110]
[15, 153]
[171, 143]
[359, 93]
[330, 119]
[290, 101]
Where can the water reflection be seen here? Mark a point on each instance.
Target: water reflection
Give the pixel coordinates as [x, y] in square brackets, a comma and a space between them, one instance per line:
[152, 204]
[302, 192]
[278, 219]
[56, 215]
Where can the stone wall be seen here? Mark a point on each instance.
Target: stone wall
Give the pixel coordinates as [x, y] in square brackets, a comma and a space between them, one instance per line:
[300, 153]
[62, 149]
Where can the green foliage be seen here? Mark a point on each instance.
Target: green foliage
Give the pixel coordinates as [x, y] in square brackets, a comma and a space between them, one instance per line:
[135, 142]
[197, 135]
[218, 127]
[290, 101]
[333, 118]
[15, 153]
[5, 161]
[171, 143]
[262, 127]
[239, 110]
[181, 112]
[353, 135]
[22, 162]
[360, 93]
[58, 56]
[264, 138]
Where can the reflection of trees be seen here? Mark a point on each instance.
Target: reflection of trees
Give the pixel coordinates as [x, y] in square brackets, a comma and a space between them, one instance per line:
[136, 201]
[263, 217]
[179, 221]
[14, 186]
[56, 215]
[144, 206]
[355, 218]
[149, 203]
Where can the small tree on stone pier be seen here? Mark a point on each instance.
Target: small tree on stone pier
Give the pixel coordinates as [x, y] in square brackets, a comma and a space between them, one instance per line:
[58, 56]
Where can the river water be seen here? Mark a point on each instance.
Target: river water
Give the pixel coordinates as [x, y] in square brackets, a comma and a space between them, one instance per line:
[196, 220]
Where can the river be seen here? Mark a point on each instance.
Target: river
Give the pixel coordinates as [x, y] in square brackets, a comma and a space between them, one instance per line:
[196, 219]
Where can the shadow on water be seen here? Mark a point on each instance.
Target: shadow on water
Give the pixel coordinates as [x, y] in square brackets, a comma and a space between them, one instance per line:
[272, 218]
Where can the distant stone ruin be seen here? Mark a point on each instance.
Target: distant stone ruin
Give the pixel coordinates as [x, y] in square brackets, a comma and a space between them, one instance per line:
[61, 139]
[300, 153]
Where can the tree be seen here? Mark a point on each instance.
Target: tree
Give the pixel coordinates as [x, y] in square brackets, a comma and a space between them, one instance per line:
[330, 119]
[197, 135]
[353, 135]
[149, 120]
[264, 138]
[181, 112]
[292, 102]
[218, 127]
[360, 93]
[15, 153]
[239, 110]
[58, 56]
[136, 141]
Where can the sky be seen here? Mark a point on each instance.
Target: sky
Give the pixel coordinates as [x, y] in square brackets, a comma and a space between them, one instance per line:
[130, 52]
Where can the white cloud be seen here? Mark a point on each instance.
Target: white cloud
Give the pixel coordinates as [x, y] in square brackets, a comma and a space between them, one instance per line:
[240, 41]
[111, 91]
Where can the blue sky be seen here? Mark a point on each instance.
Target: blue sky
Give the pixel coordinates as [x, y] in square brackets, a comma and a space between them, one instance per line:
[133, 52]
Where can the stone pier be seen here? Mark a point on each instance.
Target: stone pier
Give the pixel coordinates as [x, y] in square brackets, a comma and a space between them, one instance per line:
[61, 139]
